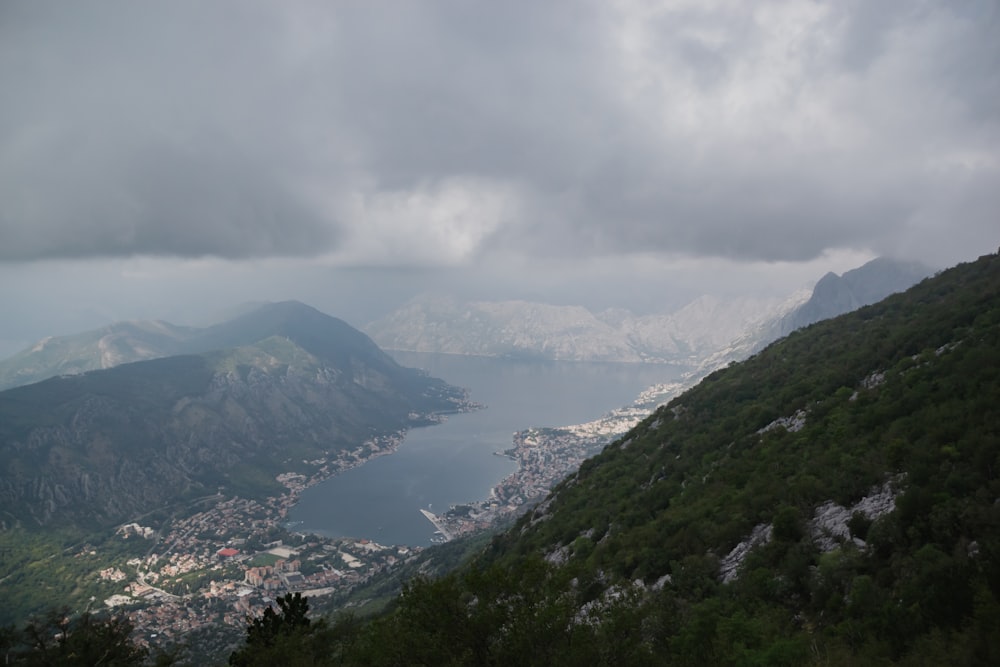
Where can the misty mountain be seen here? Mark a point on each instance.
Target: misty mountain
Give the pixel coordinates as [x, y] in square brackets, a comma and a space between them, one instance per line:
[706, 333]
[834, 295]
[125, 342]
[526, 330]
[281, 389]
[115, 344]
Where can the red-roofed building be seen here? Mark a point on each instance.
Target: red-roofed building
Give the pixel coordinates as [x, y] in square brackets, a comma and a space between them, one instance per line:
[227, 553]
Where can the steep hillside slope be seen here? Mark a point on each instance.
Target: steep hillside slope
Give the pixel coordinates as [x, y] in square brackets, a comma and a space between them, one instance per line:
[832, 500]
[105, 445]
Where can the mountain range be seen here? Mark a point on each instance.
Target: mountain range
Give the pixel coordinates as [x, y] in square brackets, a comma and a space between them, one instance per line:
[284, 388]
[708, 331]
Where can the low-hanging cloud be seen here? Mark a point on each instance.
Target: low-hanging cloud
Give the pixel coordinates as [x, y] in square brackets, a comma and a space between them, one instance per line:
[418, 133]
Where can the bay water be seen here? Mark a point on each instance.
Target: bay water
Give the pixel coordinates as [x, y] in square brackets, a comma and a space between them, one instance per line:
[456, 461]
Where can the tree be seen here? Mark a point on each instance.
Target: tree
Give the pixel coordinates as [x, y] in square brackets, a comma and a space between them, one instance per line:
[279, 637]
[88, 640]
[290, 617]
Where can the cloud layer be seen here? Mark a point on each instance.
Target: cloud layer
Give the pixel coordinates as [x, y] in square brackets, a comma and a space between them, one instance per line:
[434, 133]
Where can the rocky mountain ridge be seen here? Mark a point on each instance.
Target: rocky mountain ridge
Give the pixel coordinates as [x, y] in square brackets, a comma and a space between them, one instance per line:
[834, 295]
[527, 330]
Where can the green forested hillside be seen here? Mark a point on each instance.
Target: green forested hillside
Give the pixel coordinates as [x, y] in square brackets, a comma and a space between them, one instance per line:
[632, 559]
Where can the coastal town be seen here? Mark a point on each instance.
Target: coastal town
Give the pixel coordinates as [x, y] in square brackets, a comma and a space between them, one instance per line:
[544, 456]
[227, 559]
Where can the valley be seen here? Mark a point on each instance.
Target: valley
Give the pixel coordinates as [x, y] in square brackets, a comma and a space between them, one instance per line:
[163, 569]
[190, 572]
[829, 501]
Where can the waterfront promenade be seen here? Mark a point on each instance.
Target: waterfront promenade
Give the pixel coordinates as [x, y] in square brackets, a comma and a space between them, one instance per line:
[437, 524]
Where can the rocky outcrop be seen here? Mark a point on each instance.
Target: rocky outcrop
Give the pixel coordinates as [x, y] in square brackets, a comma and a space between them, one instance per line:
[829, 525]
[828, 528]
[730, 565]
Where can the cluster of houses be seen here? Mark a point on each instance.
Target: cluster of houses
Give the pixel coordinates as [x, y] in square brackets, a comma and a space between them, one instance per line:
[283, 574]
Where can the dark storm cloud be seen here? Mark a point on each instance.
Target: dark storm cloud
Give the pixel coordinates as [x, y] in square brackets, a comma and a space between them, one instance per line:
[126, 133]
[156, 199]
[432, 133]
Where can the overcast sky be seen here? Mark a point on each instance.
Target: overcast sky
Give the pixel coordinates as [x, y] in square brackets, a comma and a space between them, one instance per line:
[173, 159]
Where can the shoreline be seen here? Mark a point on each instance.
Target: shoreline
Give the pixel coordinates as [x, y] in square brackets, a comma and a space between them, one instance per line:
[381, 445]
[544, 456]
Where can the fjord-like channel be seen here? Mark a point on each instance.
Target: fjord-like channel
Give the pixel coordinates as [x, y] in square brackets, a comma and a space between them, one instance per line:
[454, 462]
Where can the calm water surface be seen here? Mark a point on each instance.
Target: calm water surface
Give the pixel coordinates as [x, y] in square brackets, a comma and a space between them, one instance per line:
[454, 462]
